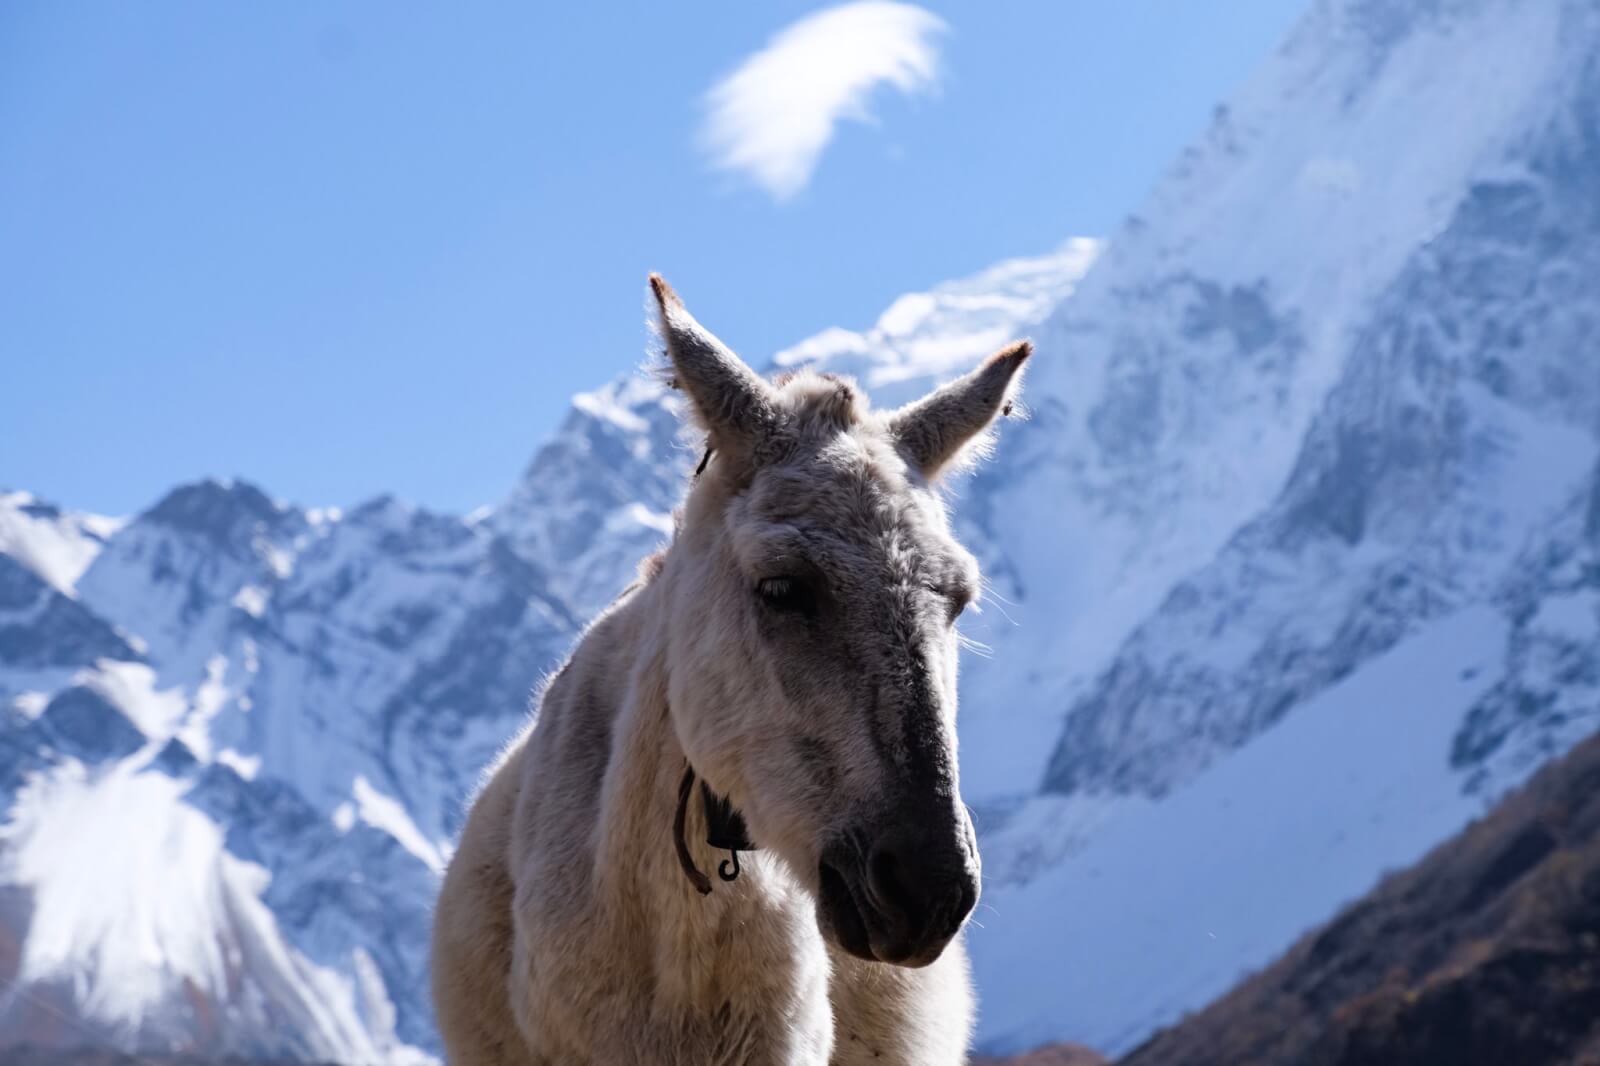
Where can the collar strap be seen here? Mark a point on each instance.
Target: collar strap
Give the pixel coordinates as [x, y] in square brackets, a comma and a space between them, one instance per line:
[725, 831]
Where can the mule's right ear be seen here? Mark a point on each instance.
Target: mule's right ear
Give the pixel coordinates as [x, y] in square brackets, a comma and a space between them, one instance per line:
[730, 400]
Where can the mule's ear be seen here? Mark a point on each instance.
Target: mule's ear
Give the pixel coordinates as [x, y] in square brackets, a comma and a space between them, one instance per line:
[933, 431]
[730, 400]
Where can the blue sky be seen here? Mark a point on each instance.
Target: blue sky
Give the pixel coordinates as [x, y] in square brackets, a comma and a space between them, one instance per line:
[342, 249]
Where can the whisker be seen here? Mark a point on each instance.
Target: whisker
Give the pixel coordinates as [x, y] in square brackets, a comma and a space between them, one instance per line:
[1000, 602]
[976, 647]
[1006, 614]
[989, 590]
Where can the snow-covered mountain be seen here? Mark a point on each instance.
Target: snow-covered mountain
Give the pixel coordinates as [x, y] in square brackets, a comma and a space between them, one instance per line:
[1293, 568]
[1355, 596]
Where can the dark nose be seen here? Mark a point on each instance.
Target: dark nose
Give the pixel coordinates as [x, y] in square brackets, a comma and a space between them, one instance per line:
[923, 886]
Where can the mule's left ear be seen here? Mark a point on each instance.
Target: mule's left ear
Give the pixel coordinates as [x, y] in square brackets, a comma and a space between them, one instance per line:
[732, 401]
[933, 430]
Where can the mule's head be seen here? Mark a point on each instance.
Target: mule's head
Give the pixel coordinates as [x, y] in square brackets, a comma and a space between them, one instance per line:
[814, 589]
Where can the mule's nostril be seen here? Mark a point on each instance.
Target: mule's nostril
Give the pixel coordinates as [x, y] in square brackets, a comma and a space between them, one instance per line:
[886, 879]
[843, 915]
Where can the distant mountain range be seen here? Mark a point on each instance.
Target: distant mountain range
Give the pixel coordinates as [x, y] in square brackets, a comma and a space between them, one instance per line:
[1294, 568]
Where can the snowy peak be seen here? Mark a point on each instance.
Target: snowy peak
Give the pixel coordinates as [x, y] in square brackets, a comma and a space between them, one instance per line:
[233, 516]
[177, 574]
[1304, 156]
[599, 496]
[926, 338]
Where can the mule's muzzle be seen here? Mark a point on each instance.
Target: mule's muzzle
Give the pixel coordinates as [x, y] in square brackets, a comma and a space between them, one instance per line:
[903, 898]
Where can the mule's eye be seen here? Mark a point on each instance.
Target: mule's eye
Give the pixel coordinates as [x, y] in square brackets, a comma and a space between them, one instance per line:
[787, 594]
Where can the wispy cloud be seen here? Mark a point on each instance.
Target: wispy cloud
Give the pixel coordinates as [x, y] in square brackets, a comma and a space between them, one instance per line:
[772, 118]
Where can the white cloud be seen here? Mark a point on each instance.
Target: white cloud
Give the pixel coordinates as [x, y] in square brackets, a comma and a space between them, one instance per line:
[772, 118]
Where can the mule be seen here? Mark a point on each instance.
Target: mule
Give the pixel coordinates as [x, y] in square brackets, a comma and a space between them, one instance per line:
[793, 653]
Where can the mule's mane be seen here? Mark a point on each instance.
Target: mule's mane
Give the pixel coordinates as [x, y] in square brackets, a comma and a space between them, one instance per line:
[821, 402]
[813, 399]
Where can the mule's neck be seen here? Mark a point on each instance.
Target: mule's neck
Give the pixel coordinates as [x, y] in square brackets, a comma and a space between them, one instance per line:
[637, 873]
[646, 768]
